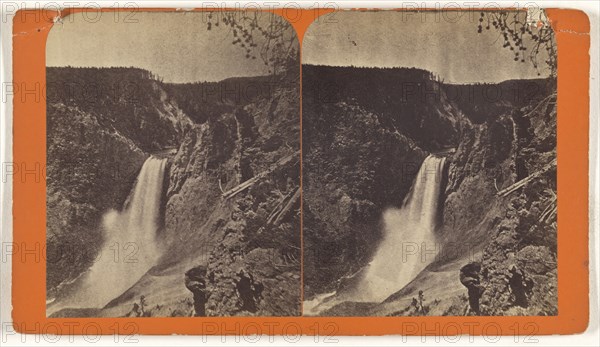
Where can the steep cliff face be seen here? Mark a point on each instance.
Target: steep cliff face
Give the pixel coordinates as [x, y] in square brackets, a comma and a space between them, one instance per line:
[232, 205]
[526, 236]
[483, 163]
[257, 141]
[365, 135]
[358, 138]
[503, 227]
[101, 126]
[508, 142]
[353, 169]
[499, 230]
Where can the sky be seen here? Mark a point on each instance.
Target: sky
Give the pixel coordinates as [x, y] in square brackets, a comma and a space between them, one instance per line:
[178, 47]
[446, 43]
[175, 45]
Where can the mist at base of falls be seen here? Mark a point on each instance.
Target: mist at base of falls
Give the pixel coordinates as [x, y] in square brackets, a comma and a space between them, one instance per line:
[409, 243]
[131, 246]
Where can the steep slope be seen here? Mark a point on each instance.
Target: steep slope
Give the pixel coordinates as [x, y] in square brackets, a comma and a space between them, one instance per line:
[497, 142]
[247, 144]
[256, 142]
[408, 100]
[101, 125]
[498, 230]
[366, 132]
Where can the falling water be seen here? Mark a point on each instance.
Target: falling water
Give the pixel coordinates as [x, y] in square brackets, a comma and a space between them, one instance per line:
[408, 245]
[130, 248]
[409, 242]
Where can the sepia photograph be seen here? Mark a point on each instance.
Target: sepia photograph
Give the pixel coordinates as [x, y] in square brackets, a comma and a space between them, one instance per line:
[299, 173]
[429, 164]
[173, 165]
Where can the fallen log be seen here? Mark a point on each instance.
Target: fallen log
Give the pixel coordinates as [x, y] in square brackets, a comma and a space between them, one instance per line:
[273, 215]
[247, 184]
[221, 186]
[281, 215]
[549, 212]
[243, 186]
[524, 181]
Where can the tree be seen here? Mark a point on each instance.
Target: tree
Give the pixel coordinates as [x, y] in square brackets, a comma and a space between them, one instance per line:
[261, 35]
[528, 34]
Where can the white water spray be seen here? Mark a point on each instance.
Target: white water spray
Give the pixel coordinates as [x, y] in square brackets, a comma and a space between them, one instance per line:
[409, 242]
[131, 245]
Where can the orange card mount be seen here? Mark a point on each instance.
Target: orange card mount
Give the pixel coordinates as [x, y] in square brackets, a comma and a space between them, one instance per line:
[277, 189]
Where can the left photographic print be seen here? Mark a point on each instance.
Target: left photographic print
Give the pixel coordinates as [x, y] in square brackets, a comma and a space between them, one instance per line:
[173, 165]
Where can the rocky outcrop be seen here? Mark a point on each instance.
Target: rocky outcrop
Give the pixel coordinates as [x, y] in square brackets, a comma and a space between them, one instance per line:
[91, 170]
[256, 142]
[101, 126]
[514, 231]
[517, 230]
[366, 132]
[353, 169]
[483, 163]
[363, 126]
[245, 240]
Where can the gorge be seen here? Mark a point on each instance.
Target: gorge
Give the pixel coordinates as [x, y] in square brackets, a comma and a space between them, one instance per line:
[102, 140]
[366, 144]
[366, 133]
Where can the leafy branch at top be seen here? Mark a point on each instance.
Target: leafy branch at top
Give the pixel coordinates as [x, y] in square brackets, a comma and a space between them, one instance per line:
[270, 38]
[528, 39]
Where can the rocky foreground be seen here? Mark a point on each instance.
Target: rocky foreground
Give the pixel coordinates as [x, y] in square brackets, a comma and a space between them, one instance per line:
[214, 217]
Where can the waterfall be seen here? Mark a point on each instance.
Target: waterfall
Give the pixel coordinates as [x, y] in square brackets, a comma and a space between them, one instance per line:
[131, 247]
[409, 243]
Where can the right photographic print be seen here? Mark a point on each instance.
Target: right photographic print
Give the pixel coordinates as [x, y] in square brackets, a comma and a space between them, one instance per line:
[429, 164]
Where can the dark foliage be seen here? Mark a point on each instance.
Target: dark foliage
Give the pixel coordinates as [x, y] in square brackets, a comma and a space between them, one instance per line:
[202, 100]
[126, 99]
